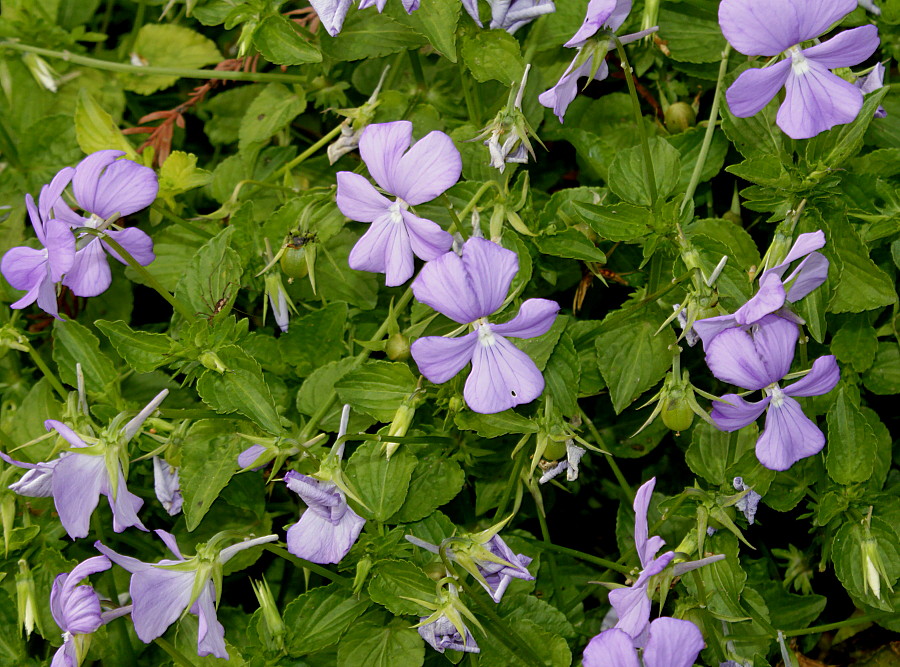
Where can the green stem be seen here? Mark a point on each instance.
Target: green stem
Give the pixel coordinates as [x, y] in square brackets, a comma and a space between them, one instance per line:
[300, 562]
[416, 63]
[580, 555]
[710, 129]
[609, 457]
[196, 229]
[472, 106]
[96, 63]
[177, 656]
[545, 534]
[638, 118]
[457, 222]
[473, 202]
[513, 480]
[858, 620]
[45, 369]
[145, 275]
[324, 141]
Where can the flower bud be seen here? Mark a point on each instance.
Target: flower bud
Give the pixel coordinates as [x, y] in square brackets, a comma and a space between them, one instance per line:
[26, 598]
[397, 348]
[676, 412]
[211, 361]
[363, 567]
[399, 426]
[272, 626]
[679, 117]
[8, 516]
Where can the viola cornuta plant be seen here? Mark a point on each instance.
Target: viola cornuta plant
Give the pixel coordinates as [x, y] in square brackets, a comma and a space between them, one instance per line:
[583, 346]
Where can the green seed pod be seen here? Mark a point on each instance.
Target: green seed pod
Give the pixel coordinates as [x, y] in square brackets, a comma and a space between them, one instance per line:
[677, 414]
[679, 117]
[397, 348]
[293, 262]
[555, 450]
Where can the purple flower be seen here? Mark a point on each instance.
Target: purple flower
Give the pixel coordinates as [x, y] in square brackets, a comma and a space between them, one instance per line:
[672, 643]
[775, 289]
[104, 186]
[328, 527]
[441, 634]
[409, 5]
[76, 609]
[468, 289]
[605, 15]
[510, 15]
[758, 358]
[749, 503]
[254, 453]
[38, 271]
[167, 486]
[413, 176]
[161, 593]
[872, 82]
[816, 99]
[331, 13]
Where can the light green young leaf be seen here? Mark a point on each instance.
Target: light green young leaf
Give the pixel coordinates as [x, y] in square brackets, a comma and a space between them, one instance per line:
[96, 130]
[168, 45]
[493, 55]
[393, 580]
[73, 343]
[280, 41]
[209, 459]
[377, 388]
[271, 111]
[317, 619]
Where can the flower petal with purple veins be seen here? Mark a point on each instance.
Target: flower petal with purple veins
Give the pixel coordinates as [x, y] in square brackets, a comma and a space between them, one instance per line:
[732, 357]
[124, 506]
[775, 339]
[560, 96]
[789, 436]
[160, 596]
[24, 268]
[611, 648]
[738, 414]
[125, 187]
[427, 170]
[816, 100]
[358, 200]
[90, 274]
[320, 540]
[646, 546]
[755, 88]
[77, 481]
[445, 285]
[769, 298]
[210, 633]
[535, 318]
[440, 359]
[598, 15]
[426, 238]
[710, 327]
[135, 242]
[672, 643]
[381, 147]
[809, 274]
[331, 13]
[490, 269]
[822, 378]
[847, 48]
[384, 248]
[502, 375]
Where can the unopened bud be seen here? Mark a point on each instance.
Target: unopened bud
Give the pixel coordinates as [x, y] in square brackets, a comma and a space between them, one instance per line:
[211, 361]
[399, 426]
[273, 626]
[397, 348]
[26, 598]
[363, 567]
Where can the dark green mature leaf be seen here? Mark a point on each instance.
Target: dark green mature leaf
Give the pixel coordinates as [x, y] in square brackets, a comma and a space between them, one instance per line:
[141, 350]
[549, 647]
[491, 426]
[626, 173]
[270, 112]
[724, 580]
[314, 339]
[851, 442]
[393, 580]
[689, 144]
[367, 35]
[436, 19]
[847, 556]
[75, 344]
[829, 150]
[690, 34]
[632, 357]
[572, 244]
[317, 619]
[756, 136]
[376, 642]
[377, 388]
[435, 481]
[240, 388]
[493, 54]
[617, 222]
[209, 459]
[884, 375]
[382, 483]
[855, 343]
[210, 282]
[719, 457]
[562, 375]
[280, 42]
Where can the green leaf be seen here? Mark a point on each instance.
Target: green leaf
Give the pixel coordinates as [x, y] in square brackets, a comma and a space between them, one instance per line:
[847, 555]
[178, 174]
[572, 244]
[144, 352]
[617, 222]
[369, 35]
[767, 170]
[493, 55]
[883, 378]
[829, 150]
[691, 34]
[374, 642]
[851, 442]
[381, 483]
[437, 20]
[281, 42]
[315, 339]
[562, 375]
[855, 343]
[317, 619]
[227, 108]
[96, 130]
[73, 343]
[688, 144]
[719, 457]
[241, 388]
[632, 357]
[393, 580]
[186, 642]
[271, 111]
[436, 480]
[209, 459]
[626, 173]
[319, 384]
[491, 426]
[168, 45]
[754, 136]
[175, 248]
[377, 388]
[209, 284]
[724, 580]
[550, 648]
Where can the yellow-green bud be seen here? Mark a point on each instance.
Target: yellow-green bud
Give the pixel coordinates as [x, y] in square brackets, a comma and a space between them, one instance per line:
[397, 348]
[26, 598]
[211, 361]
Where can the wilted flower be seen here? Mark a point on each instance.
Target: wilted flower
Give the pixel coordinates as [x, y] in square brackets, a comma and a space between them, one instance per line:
[816, 99]
[758, 358]
[468, 289]
[413, 176]
[161, 592]
[167, 486]
[279, 300]
[510, 15]
[748, 504]
[672, 643]
[333, 12]
[574, 453]
[441, 634]
[511, 126]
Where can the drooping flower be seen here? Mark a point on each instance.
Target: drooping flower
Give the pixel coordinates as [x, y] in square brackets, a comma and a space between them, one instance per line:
[602, 15]
[671, 643]
[758, 357]
[775, 289]
[468, 289]
[441, 634]
[279, 300]
[871, 82]
[574, 453]
[412, 175]
[76, 609]
[816, 99]
[161, 592]
[749, 503]
[38, 271]
[409, 5]
[104, 186]
[507, 134]
[167, 486]
[510, 15]
[331, 13]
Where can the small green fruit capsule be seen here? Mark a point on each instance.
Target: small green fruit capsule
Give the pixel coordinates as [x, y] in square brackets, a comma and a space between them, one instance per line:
[436, 570]
[679, 117]
[677, 415]
[555, 450]
[397, 348]
[293, 262]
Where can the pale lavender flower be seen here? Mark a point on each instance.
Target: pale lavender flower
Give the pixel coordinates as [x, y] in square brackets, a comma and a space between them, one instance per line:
[161, 593]
[671, 643]
[38, 271]
[331, 13]
[749, 503]
[468, 289]
[870, 6]
[412, 175]
[510, 15]
[103, 186]
[872, 82]
[441, 634]
[328, 527]
[76, 608]
[252, 454]
[602, 15]
[38, 481]
[775, 289]
[816, 99]
[758, 358]
[167, 486]
[409, 5]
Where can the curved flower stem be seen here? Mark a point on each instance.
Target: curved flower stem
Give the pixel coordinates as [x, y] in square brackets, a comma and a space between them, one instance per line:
[710, 129]
[472, 106]
[457, 221]
[324, 141]
[416, 63]
[177, 656]
[473, 202]
[312, 567]
[649, 177]
[535, 491]
[148, 277]
[109, 66]
[190, 226]
[609, 457]
[514, 479]
[815, 629]
[44, 368]
[580, 555]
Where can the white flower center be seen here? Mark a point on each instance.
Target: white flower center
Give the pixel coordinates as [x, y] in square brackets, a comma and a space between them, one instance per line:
[777, 395]
[396, 208]
[485, 335]
[94, 221]
[799, 63]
